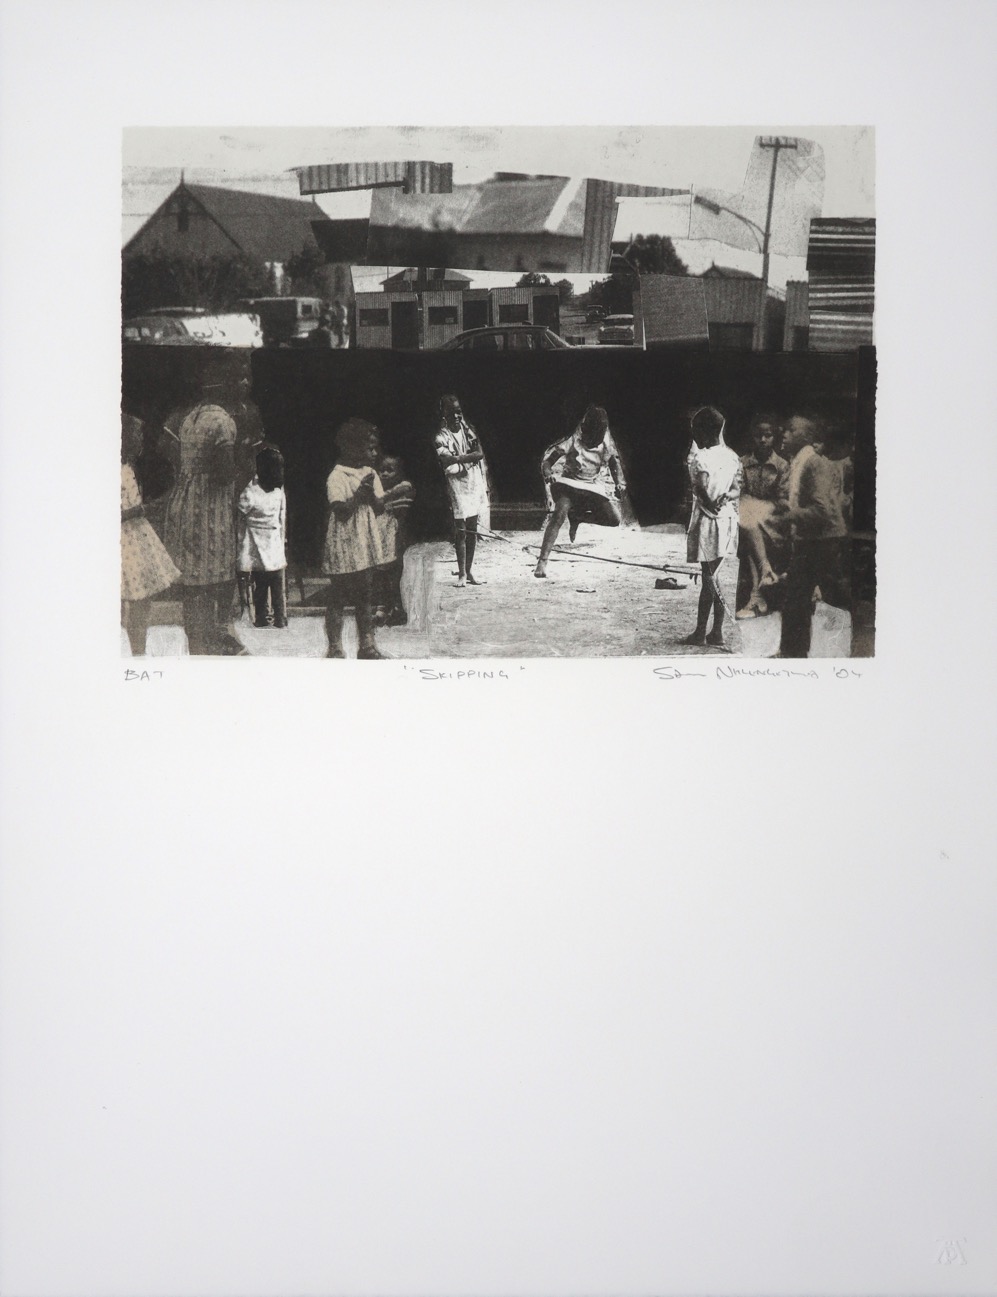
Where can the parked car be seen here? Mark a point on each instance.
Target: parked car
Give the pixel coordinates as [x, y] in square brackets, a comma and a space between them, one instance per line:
[286, 321]
[594, 314]
[618, 329]
[507, 337]
[197, 330]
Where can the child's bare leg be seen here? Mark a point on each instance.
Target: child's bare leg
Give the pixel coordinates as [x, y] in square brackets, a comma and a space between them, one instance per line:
[460, 545]
[716, 635]
[472, 541]
[698, 636]
[554, 525]
[222, 600]
[334, 625]
[364, 613]
[137, 613]
[198, 610]
[758, 551]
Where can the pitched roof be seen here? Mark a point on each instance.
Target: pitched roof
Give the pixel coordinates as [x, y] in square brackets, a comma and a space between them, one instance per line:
[550, 205]
[412, 274]
[264, 227]
[726, 272]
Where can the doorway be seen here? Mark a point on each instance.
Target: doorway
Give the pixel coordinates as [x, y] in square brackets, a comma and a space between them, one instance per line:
[405, 326]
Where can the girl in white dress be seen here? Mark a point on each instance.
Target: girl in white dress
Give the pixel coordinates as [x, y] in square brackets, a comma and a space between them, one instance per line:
[262, 536]
[715, 473]
[463, 463]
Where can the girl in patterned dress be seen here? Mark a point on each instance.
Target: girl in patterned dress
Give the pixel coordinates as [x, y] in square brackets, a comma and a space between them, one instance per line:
[146, 567]
[354, 547]
[200, 519]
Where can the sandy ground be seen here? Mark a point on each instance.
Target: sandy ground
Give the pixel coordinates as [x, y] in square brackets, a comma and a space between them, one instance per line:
[586, 607]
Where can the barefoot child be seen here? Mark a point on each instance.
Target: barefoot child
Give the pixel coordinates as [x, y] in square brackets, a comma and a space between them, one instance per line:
[762, 506]
[353, 546]
[262, 519]
[462, 461]
[146, 567]
[586, 485]
[715, 474]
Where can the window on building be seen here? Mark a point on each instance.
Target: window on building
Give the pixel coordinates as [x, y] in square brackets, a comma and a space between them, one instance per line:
[373, 317]
[732, 337]
[514, 313]
[443, 315]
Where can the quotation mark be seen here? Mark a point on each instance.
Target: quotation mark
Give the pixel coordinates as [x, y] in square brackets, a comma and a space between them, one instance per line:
[951, 1251]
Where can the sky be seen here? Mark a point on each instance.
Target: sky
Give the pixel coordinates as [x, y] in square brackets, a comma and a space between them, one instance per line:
[707, 158]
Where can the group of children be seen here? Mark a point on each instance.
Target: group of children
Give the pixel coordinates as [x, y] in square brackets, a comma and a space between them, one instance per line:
[788, 519]
[365, 541]
[743, 504]
[366, 537]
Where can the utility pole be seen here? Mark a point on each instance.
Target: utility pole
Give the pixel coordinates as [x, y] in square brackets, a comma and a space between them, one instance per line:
[776, 143]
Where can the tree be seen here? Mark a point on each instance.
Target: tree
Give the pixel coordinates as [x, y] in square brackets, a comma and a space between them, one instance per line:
[654, 254]
[150, 280]
[531, 278]
[303, 273]
[565, 291]
[614, 294]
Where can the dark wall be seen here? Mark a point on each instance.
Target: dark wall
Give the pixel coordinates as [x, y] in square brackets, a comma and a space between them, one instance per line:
[518, 404]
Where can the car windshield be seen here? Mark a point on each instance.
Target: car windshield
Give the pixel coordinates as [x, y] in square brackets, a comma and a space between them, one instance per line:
[619, 319]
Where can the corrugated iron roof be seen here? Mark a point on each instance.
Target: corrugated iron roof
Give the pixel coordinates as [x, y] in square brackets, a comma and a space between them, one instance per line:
[844, 332]
[842, 245]
[841, 260]
[418, 177]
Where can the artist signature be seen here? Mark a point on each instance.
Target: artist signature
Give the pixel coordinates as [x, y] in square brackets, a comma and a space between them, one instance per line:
[727, 672]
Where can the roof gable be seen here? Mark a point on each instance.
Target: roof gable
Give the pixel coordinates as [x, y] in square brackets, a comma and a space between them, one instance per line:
[260, 225]
[268, 228]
